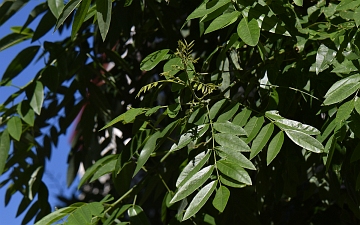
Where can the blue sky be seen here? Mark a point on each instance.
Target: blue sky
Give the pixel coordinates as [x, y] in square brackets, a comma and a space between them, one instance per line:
[55, 174]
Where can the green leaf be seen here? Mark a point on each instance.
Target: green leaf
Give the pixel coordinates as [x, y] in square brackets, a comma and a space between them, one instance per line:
[126, 117]
[357, 104]
[261, 139]
[192, 184]
[229, 128]
[153, 110]
[56, 7]
[9, 8]
[344, 111]
[231, 141]
[153, 59]
[216, 108]
[26, 113]
[273, 114]
[14, 127]
[145, 153]
[222, 21]
[354, 156]
[357, 16]
[80, 17]
[45, 25]
[4, 149]
[298, 2]
[192, 167]
[236, 157]
[287, 124]
[65, 13]
[329, 149]
[233, 171]
[207, 8]
[347, 4]
[13, 39]
[137, 216]
[253, 127]
[221, 198]
[324, 57]
[274, 147]
[173, 110]
[228, 113]
[199, 200]
[305, 141]
[106, 168]
[241, 118]
[249, 32]
[231, 182]
[37, 99]
[103, 13]
[191, 134]
[55, 216]
[84, 214]
[91, 170]
[19, 63]
[342, 89]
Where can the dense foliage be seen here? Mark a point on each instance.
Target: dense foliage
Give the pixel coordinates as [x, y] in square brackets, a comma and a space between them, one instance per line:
[191, 112]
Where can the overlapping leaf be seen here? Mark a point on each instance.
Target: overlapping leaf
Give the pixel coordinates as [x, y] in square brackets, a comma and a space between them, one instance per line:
[193, 183]
[233, 171]
[231, 141]
[305, 141]
[199, 200]
[192, 167]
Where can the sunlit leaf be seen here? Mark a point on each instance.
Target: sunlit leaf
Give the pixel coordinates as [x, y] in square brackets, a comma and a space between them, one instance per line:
[192, 184]
[298, 2]
[249, 32]
[342, 89]
[344, 111]
[192, 167]
[56, 7]
[37, 99]
[348, 4]
[236, 157]
[231, 141]
[295, 125]
[199, 200]
[233, 171]
[305, 141]
[229, 128]
[324, 57]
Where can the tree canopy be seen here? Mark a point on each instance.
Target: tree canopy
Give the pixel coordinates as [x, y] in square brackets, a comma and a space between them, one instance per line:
[188, 111]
